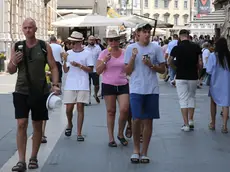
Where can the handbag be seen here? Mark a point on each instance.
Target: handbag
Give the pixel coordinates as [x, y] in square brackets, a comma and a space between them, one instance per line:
[36, 94]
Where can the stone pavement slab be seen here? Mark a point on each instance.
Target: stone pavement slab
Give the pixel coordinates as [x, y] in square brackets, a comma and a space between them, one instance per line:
[171, 150]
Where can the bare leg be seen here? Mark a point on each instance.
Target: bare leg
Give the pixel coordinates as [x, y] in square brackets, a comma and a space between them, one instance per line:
[123, 101]
[43, 128]
[110, 102]
[37, 137]
[22, 138]
[225, 116]
[69, 115]
[147, 133]
[136, 135]
[80, 118]
[213, 113]
[184, 112]
[191, 113]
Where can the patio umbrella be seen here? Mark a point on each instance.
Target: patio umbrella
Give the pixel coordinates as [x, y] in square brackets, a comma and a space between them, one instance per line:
[90, 20]
[136, 20]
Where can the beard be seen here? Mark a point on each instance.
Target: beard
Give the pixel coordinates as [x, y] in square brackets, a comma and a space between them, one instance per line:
[91, 43]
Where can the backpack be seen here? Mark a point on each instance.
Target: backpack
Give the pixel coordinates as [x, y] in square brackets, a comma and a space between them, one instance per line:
[42, 45]
[36, 95]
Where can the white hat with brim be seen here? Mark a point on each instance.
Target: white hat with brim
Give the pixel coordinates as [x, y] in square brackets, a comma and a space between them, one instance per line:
[112, 34]
[76, 36]
[53, 102]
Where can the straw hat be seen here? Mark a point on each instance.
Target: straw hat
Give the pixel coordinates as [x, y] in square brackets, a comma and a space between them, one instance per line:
[76, 36]
[112, 34]
[53, 102]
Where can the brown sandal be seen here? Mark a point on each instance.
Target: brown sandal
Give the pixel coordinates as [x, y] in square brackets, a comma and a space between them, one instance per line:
[33, 163]
[224, 130]
[211, 127]
[19, 167]
[128, 132]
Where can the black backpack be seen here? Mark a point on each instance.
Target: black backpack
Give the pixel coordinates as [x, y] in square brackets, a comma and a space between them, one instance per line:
[36, 95]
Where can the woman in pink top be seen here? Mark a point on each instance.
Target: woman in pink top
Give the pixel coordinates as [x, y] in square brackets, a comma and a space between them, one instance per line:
[114, 86]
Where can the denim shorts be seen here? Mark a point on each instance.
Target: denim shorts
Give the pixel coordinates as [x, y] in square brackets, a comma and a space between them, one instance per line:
[144, 106]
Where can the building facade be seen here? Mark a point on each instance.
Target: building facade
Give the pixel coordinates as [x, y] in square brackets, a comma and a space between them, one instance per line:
[15, 11]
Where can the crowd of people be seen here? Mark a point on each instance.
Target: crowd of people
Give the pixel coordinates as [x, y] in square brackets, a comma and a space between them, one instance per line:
[129, 77]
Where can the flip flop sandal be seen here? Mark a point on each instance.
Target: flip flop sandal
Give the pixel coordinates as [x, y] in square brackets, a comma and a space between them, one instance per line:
[123, 141]
[68, 132]
[145, 159]
[135, 158]
[112, 144]
[128, 132]
[44, 140]
[33, 163]
[97, 99]
[211, 127]
[80, 138]
[224, 130]
[20, 167]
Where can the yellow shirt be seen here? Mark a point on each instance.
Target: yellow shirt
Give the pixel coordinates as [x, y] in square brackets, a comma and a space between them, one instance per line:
[47, 68]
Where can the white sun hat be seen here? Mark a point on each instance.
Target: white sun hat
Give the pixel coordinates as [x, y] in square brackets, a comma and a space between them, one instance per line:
[76, 36]
[53, 102]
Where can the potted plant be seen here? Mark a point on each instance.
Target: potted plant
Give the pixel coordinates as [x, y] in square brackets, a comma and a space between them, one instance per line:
[2, 59]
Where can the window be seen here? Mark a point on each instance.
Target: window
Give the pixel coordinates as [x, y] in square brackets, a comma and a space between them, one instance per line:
[176, 20]
[166, 3]
[185, 20]
[156, 16]
[146, 3]
[185, 16]
[185, 4]
[166, 19]
[156, 3]
[175, 3]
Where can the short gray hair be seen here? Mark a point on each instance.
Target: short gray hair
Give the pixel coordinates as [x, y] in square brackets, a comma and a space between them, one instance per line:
[53, 39]
[205, 45]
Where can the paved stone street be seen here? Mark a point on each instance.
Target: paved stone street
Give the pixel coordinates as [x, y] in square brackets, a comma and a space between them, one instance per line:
[170, 149]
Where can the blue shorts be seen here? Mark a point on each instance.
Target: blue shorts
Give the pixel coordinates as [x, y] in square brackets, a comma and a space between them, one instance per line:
[144, 106]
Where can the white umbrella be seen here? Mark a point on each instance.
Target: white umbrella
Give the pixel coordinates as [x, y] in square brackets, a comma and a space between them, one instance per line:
[137, 20]
[90, 20]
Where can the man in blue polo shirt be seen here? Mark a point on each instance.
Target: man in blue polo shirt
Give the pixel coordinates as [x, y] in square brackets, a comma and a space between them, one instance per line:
[143, 60]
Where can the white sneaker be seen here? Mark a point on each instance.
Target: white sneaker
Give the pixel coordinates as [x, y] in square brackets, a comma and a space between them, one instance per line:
[185, 128]
[191, 124]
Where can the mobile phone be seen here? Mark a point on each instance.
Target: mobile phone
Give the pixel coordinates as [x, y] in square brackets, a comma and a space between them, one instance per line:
[146, 57]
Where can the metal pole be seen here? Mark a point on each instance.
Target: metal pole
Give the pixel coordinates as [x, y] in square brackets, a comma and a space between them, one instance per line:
[141, 6]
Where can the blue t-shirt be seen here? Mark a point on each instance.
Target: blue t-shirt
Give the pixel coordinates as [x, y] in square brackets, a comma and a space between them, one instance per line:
[143, 79]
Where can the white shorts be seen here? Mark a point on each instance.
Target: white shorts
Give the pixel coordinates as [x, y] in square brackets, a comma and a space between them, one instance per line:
[72, 96]
[186, 90]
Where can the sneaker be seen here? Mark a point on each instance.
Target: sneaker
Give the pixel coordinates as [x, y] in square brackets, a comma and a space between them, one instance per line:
[185, 128]
[191, 124]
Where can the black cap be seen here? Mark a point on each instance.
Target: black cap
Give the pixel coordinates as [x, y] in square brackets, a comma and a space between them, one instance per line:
[184, 32]
[143, 26]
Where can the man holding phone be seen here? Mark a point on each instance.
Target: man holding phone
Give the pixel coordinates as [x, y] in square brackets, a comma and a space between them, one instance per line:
[143, 60]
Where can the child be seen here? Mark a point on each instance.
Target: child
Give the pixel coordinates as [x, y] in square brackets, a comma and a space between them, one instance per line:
[48, 73]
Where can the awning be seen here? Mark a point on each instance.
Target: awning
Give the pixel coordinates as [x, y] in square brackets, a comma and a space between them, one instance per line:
[216, 17]
[75, 11]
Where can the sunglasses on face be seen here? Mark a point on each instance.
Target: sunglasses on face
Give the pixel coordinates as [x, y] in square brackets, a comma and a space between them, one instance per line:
[113, 39]
[75, 42]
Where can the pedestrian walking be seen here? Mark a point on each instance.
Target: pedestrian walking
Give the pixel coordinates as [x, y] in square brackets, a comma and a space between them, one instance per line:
[218, 67]
[115, 86]
[78, 63]
[143, 60]
[187, 56]
[28, 59]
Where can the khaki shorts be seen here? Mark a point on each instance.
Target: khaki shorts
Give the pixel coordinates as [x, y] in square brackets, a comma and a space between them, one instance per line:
[72, 96]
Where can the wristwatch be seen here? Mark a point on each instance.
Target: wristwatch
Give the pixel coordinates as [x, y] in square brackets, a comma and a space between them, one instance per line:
[104, 62]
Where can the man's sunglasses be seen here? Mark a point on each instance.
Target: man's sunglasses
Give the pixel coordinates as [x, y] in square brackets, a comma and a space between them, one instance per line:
[113, 39]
